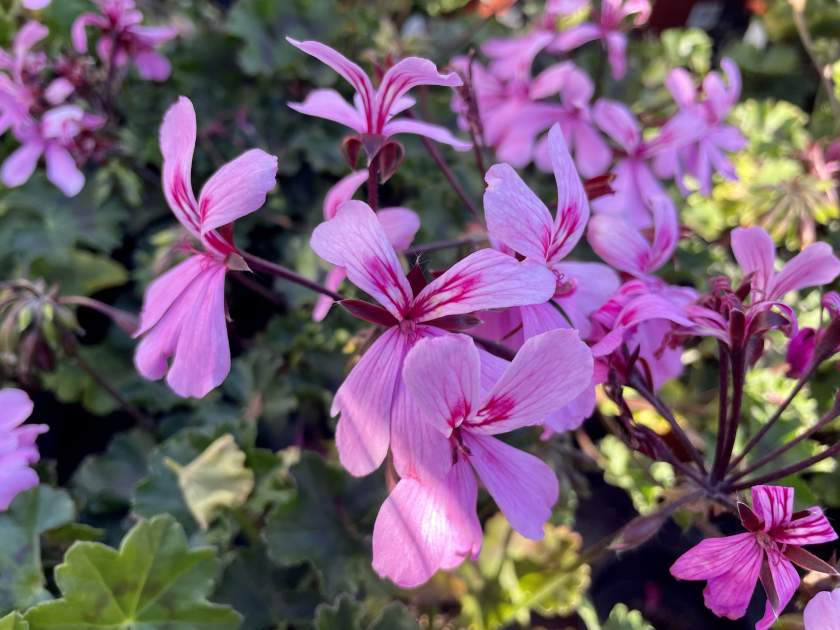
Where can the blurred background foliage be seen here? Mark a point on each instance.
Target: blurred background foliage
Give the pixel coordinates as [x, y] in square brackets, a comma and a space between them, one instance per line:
[248, 476]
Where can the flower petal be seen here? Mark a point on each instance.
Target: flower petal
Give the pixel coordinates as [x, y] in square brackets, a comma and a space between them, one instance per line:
[62, 170]
[755, 253]
[355, 240]
[523, 486]
[549, 371]
[406, 74]
[19, 166]
[237, 189]
[152, 66]
[619, 243]
[324, 303]
[166, 289]
[814, 266]
[811, 529]
[400, 225]
[786, 581]
[177, 143]
[618, 122]
[343, 192]
[330, 105]
[773, 505]
[823, 611]
[15, 407]
[428, 130]
[483, 280]
[572, 203]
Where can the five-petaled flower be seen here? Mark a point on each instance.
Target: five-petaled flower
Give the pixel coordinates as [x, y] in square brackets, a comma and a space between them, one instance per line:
[733, 565]
[429, 520]
[183, 314]
[373, 113]
[373, 403]
[17, 445]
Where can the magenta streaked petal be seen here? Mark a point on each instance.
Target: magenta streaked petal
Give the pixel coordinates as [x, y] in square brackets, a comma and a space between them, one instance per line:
[406, 74]
[177, 143]
[572, 203]
[786, 581]
[773, 505]
[812, 528]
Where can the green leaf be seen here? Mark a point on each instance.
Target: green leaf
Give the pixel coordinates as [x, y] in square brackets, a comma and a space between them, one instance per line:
[82, 273]
[623, 618]
[153, 581]
[13, 621]
[31, 514]
[215, 480]
[348, 614]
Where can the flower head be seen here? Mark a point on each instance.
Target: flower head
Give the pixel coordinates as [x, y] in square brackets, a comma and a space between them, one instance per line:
[17, 445]
[373, 115]
[183, 316]
[434, 516]
[733, 565]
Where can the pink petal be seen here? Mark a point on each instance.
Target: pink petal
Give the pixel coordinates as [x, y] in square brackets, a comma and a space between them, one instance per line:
[515, 215]
[755, 253]
[549, 371]
[616, 53]
[773, 505]
[15, 408]
[618, 122]
[811, 529]
[666, 232]
[153, 66]
[177, 143]
[342, 192]
[592, 154]
[19, 166]
[155, 35]
[78, 35]
[165, 291]
[815, 265]
[540, 318]
[400, 225]
[512, 57]
[553, 80]
[594, 284]
[29, 34]
[786, 580]
[572, 203]
[800, 351]
[351, 72]
[823, 611]
[237, 189]
[523, 486]
[62, 170]
[355, 240]
[681, 86]
[730, 564]
[571, 415]
[576, 37]
[405, 75]
[411, 533]
[202, 355]
[13, 481]
[365, 401]
[619, 243]
[335, 277]
[330, 105]
[420, 128]
[442, 375]
[466, 536]
[483, 280]
[58, 90]
[36, 5]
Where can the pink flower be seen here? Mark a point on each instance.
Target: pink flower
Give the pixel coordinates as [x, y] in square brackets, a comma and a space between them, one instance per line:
[802, 346]
[36, 5]
[635, 184]
[373, 113]
[823, 611]
[624, 246]
[607, 28]
[53, 137]
[641, 318]
[400, 225]
[375, 412]
[17, 445]
[183, 316]
[119, 23]
[732, 565]
[430, 522]
[707, 153]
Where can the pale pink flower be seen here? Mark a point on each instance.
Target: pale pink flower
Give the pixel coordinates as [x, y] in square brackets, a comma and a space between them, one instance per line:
[120, 24]
[626, 248]
[183, 316]
[373, 115]
[53, 137]
[635, 184]
[429, 521]
[400, 226]
[36, 5]
[17, 445]
[608, 28]
[375, 411]
[707, 153]
[823, 611]
[733, 565]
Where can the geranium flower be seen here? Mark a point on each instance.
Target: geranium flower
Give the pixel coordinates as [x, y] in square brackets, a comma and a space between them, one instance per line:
[183, 317]
[374, 411]
[733, 565]
[17, 445]
[400, 226]
[823, 611]
[119, 23]
[373, 113]
[607, 28]
[802, 346]
[706, 154]
[430, 521]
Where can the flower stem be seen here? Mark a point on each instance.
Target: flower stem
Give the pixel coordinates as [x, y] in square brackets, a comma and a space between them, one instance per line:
[787, 470]
[804, 32]
[435, 246]
[723, 401]
[278, 271]
[373, 184]
[739, 371]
